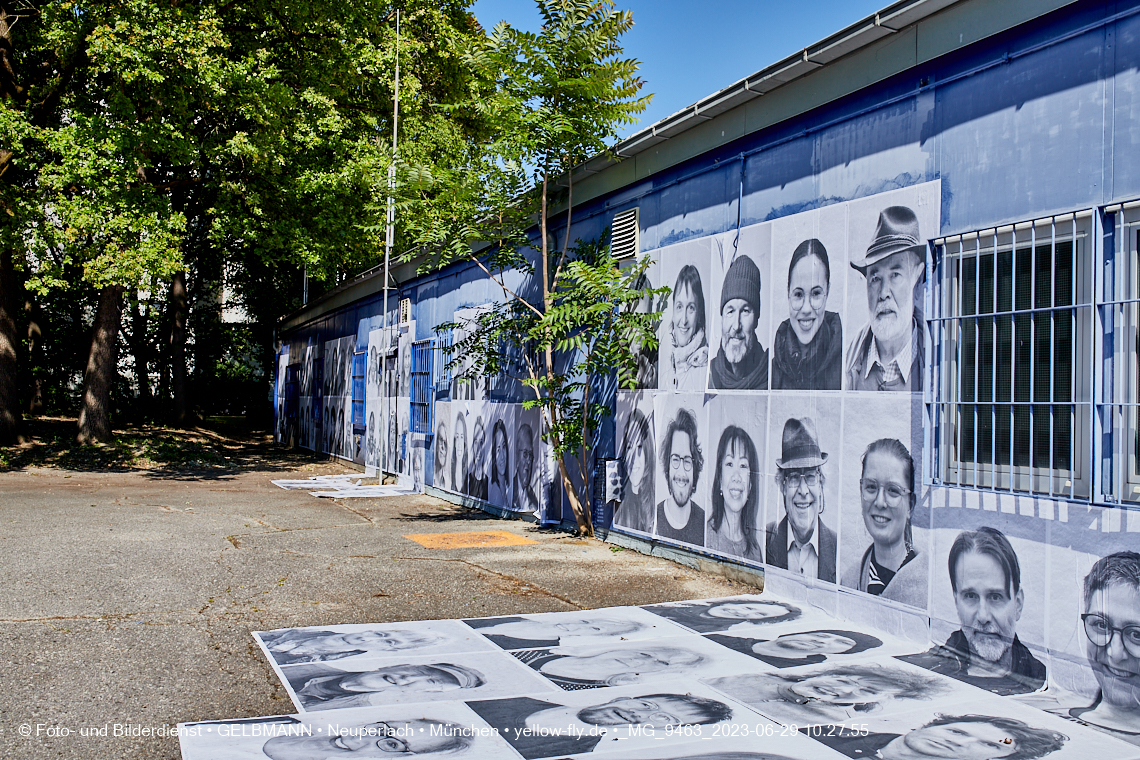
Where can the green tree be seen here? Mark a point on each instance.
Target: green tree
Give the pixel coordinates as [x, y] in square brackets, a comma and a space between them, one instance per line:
[556, 98]
[148, 142]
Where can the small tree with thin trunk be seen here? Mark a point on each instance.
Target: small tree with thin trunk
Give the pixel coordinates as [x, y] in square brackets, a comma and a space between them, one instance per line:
[556, 98]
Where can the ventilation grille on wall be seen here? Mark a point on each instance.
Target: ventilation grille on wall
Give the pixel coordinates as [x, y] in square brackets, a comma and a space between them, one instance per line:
[405, 310]
[624, 238]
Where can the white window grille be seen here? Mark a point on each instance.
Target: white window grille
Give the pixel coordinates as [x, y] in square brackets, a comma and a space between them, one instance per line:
[624, 234]
[405, 310]
[1118, 333]
[1011, 328]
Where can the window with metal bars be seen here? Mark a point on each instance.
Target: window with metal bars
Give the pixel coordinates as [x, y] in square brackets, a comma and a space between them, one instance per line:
[359, 372]
[1118, 330]
[624, 237]
[1010, 324]
[423, 392]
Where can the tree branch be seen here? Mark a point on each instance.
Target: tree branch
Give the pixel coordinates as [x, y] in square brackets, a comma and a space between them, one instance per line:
[503, 285]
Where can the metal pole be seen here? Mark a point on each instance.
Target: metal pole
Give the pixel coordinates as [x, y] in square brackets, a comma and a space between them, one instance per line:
[390, 231]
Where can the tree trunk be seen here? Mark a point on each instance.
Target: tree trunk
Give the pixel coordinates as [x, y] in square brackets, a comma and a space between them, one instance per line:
[140, 347]
[581, 514]
[102, 366]
[178, 308]
[10, 417]
[35, 316]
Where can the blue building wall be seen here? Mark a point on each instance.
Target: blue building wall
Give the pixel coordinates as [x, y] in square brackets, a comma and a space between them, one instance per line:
[1038, 121]
[1032, 122]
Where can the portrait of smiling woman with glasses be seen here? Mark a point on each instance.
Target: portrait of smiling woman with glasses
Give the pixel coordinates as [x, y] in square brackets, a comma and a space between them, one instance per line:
[889, 568]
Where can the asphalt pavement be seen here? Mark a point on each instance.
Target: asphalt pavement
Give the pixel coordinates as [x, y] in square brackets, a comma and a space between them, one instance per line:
[128, 598]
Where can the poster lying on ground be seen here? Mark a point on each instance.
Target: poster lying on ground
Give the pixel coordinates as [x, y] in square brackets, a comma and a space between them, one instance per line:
[734, 678]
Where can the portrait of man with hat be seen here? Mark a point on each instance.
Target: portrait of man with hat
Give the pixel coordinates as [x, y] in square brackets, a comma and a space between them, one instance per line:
[888, 354]
[741, 363]
[801, 542]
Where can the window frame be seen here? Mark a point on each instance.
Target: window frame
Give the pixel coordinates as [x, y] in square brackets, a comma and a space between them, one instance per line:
[946, 320]
[1117, 383]
[423, 390]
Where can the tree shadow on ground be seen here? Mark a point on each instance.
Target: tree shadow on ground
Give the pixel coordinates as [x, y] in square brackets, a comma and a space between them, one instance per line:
[457, 514]
[216, 449]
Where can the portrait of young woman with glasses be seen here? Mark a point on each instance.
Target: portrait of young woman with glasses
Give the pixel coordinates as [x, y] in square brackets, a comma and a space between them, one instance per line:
[890, 566]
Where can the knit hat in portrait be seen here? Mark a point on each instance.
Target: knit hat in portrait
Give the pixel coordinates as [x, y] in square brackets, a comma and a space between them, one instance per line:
[742, 281]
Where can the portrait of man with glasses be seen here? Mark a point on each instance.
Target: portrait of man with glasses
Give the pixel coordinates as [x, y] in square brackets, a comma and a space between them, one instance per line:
[678, 517]
[1111, 624]
[800, 541]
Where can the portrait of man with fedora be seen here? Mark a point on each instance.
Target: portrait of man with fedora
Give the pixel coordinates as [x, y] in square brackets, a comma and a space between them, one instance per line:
[887, 354]
[741, 363]
[801, 542]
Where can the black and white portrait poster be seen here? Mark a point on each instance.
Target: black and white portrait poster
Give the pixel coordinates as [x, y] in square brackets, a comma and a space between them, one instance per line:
[739, 309]
[979, 727]
[737, 452]
[502, 419]
[459, 460]
[803, 482]
[752, 615]
[886, 276]
[441, 447]
[399, 439]
[807, 291]
[530, 479]
[800, 644]
[1093, 628]
[578, 667]
[466, 384]
[477, 480]
[309, 392]
[637, 450]
[988, 602]
[602, 721]
[648, 358]
[684, 337]
[885, 515]
[587, 628]
[841, 692]
[407, 335]
[348, 439]
[441, 729]
[364, 641]
[401, 679]
[763, 740]
[375, 411]
[682, 466]
[279, 432]
[416, 460]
